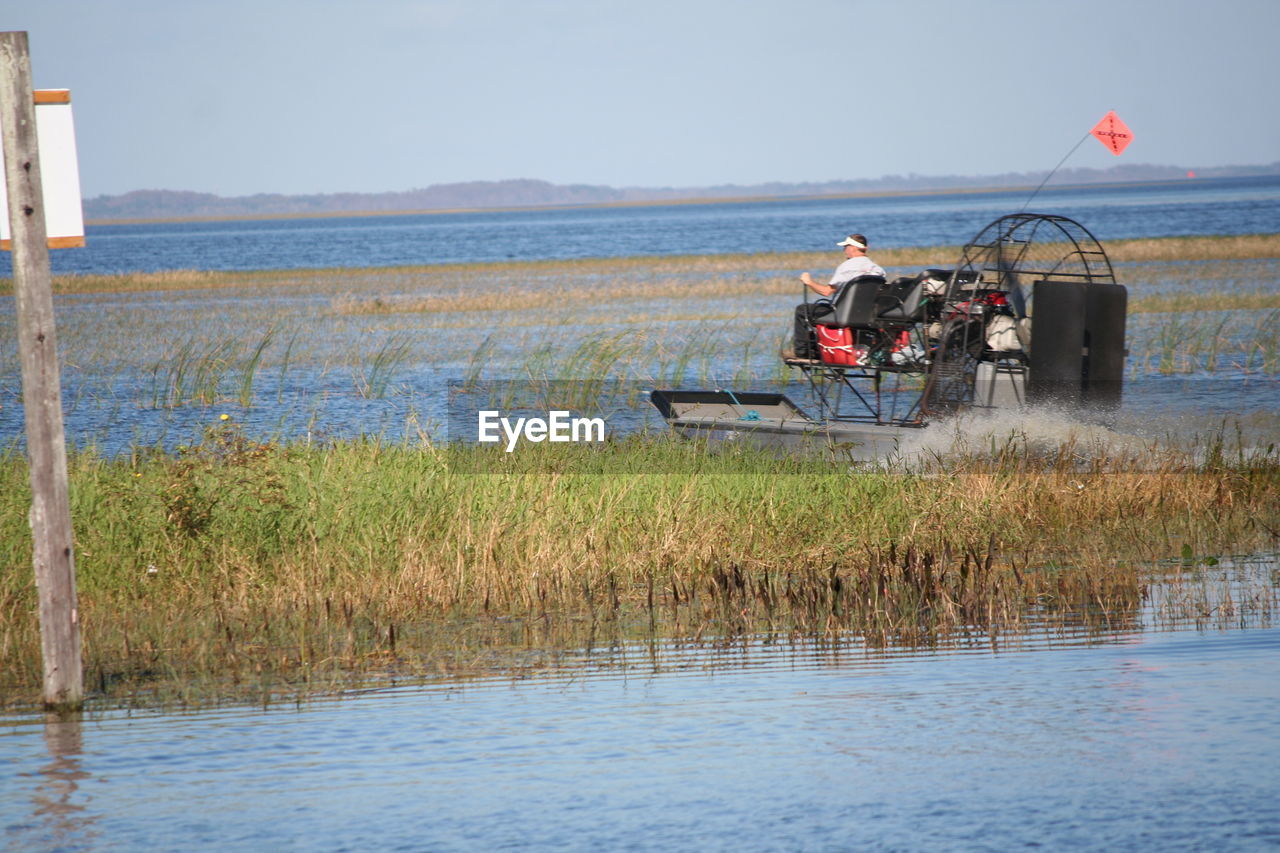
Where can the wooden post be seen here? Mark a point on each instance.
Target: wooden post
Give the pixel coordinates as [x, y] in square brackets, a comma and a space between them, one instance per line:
[41, 384]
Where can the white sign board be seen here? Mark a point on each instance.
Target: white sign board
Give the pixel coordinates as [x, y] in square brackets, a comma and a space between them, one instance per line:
[59, 173]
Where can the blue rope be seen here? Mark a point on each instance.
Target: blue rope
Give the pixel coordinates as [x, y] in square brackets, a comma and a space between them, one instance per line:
[749, 414]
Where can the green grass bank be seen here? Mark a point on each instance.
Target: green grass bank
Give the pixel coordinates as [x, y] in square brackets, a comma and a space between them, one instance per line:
[241, 570]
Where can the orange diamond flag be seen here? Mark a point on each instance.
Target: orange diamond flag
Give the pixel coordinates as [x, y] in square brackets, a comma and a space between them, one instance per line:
[1113, 133]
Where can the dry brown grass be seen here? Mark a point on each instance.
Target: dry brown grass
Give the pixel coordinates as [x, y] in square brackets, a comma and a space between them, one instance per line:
[1238, 247]
[566, 297]
[1156, 249]
[1258, 300]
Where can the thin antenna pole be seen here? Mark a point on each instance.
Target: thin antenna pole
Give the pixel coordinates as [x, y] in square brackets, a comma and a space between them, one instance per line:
[1054, 171]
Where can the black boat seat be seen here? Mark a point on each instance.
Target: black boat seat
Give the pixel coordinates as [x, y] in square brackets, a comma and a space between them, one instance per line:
[854, 307]
[901, 300]
[869, 302]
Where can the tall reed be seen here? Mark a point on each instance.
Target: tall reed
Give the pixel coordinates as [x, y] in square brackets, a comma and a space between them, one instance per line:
[190, 374]
[249, 369]
[374, 380]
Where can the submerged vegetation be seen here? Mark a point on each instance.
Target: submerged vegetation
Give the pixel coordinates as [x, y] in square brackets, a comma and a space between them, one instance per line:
[300, 339]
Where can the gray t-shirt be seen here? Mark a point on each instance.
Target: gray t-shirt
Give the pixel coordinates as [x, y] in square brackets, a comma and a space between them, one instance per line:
[854, 267]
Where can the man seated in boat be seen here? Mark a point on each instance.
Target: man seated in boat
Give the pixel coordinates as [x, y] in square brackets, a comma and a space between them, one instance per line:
[855, 264]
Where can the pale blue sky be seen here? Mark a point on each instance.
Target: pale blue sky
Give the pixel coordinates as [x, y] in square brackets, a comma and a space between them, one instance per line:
[298, 96]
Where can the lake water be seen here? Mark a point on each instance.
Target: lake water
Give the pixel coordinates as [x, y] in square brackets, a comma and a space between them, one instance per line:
[1145, 736]
[1217, 206]
[1137, 738]
[110, 379]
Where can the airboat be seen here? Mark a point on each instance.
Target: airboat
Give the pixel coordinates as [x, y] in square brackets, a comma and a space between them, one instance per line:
[1029, 315]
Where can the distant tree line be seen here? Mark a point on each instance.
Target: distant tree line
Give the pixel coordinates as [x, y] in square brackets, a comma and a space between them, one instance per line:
[473, 195]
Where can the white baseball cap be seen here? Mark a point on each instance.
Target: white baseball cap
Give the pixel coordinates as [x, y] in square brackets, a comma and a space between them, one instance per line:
[849, 241]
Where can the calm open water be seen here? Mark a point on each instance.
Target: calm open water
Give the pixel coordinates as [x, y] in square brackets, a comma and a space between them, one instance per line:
[1140, 740]
[1217, 206]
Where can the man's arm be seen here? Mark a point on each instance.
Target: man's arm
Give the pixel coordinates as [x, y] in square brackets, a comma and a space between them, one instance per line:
[816, 287]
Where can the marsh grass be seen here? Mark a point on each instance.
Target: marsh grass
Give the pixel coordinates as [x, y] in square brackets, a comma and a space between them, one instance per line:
[191, 374]
[249, 371]
[375, 380]
[1217, 300]
[1222, 247]
[201, 338]
[588, 293]
[240, 568]
[1236, 247]
[1209, 342]
[237, 567]
[202, 373]
[283, 368]
[1215, 594]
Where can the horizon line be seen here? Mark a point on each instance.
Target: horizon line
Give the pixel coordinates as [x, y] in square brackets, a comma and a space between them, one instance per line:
[692, 200]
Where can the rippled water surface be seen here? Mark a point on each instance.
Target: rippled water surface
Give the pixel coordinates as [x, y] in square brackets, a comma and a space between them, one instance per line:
[119, 350]
[1112, 212]
[1144, 739]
